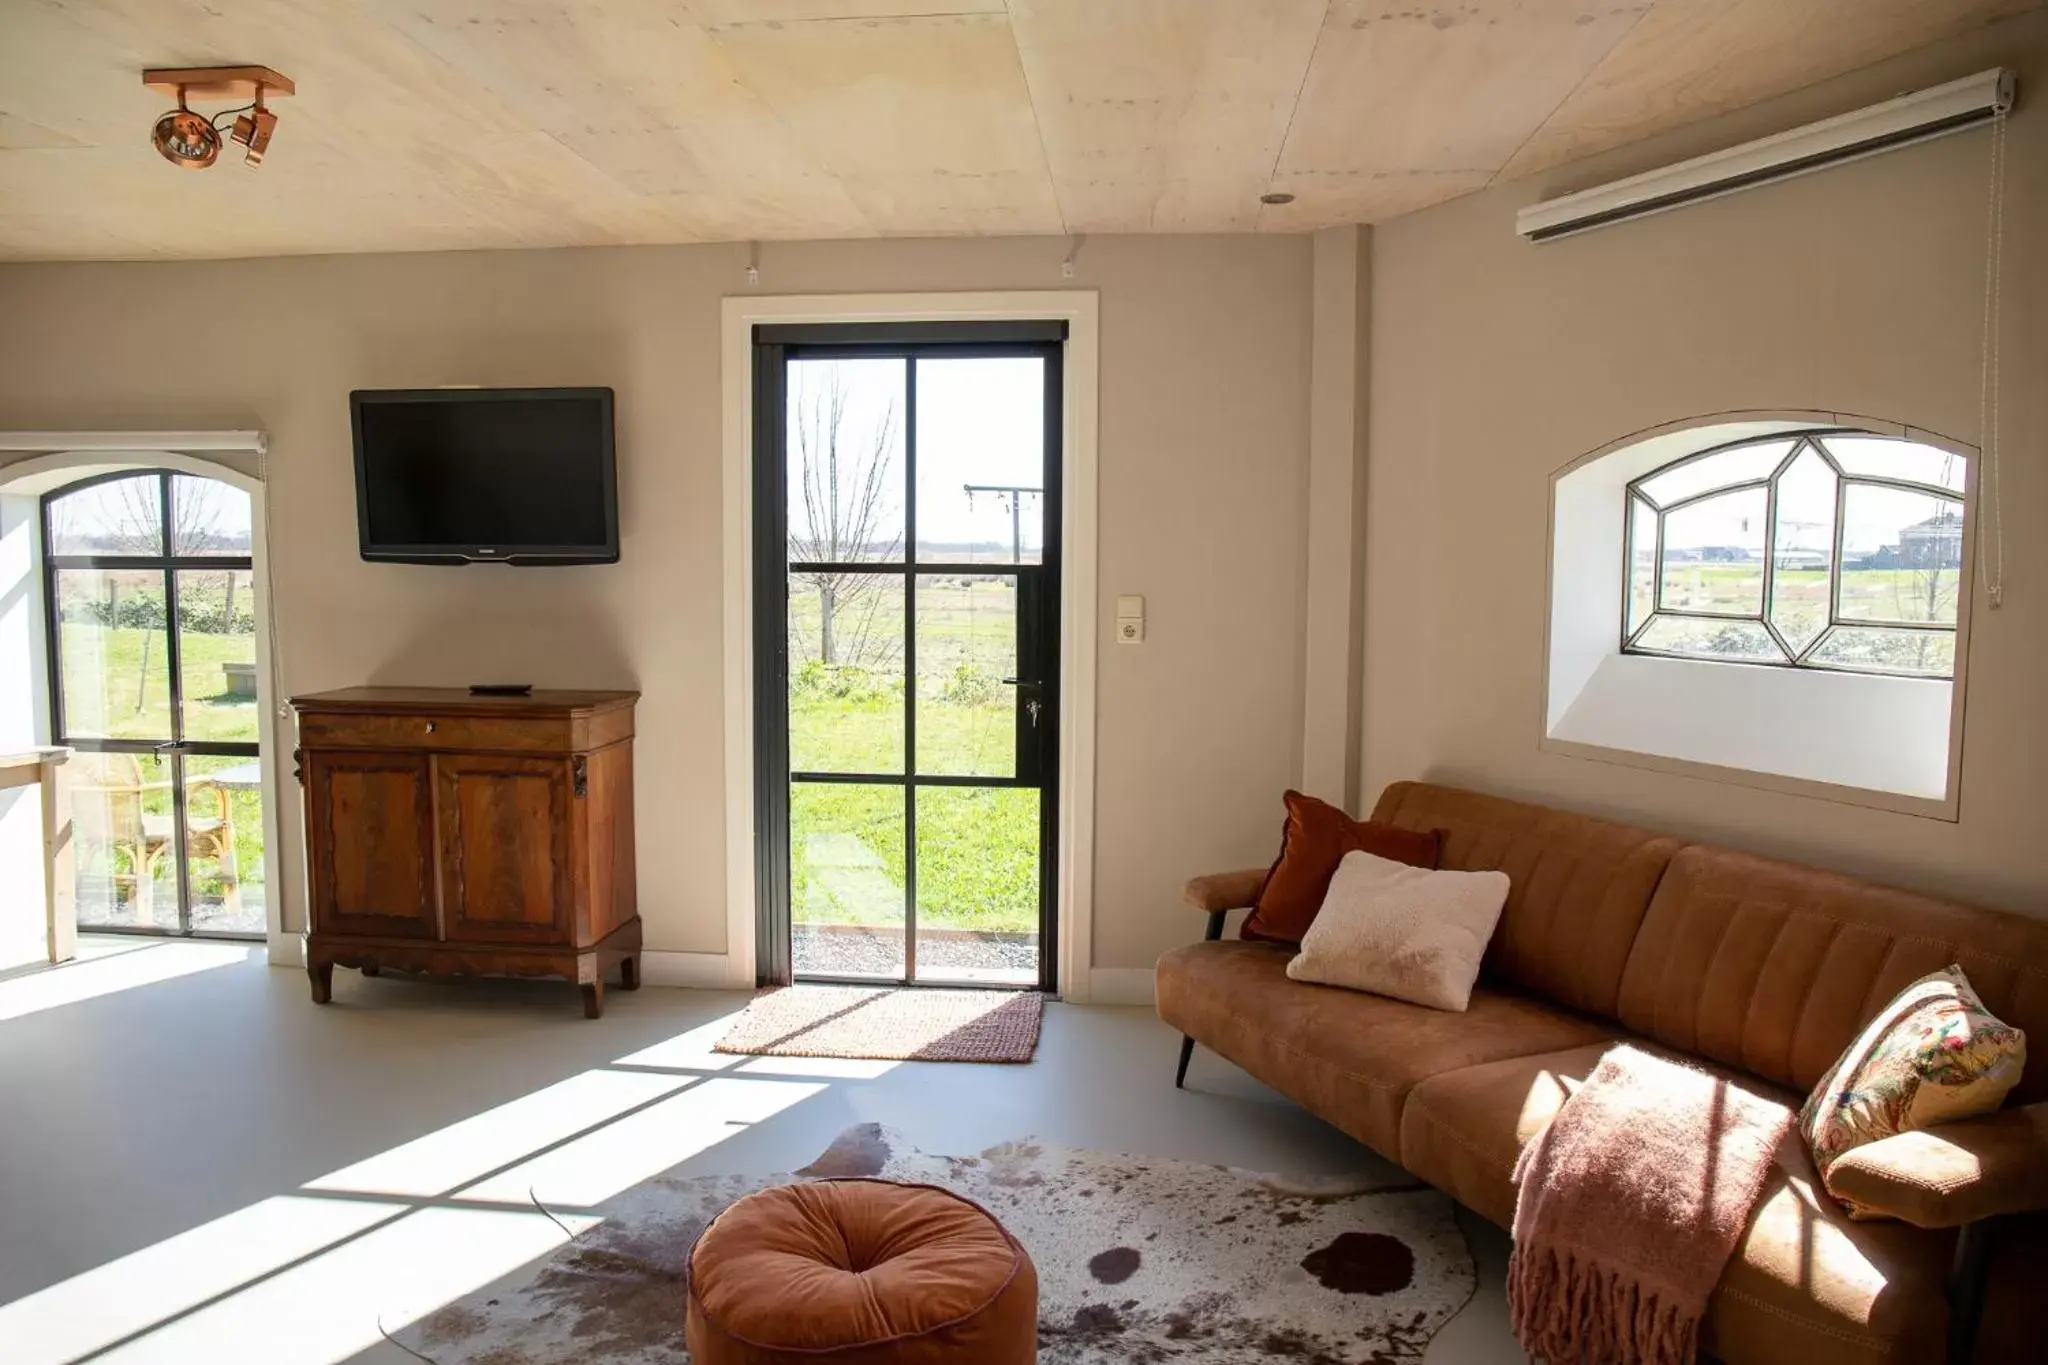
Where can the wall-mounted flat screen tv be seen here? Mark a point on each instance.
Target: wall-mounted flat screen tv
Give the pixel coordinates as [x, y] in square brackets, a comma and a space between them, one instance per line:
[460, 476]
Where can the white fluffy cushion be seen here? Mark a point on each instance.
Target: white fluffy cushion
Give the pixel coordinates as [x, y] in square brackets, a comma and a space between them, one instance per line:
[1402, 931]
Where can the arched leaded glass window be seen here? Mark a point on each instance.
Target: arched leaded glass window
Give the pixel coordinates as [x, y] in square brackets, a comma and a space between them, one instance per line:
[149, 585]
[1840, 550]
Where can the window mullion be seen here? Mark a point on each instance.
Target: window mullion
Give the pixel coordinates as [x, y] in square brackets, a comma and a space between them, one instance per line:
[1835, 559]
[1771, 549]
[1791, 654]
[1657, 580]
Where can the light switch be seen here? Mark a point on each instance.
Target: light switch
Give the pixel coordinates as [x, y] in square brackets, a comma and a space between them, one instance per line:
[1130, 620]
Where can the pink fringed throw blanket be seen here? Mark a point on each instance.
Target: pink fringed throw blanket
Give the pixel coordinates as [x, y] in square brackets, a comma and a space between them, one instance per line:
[1629, 1205]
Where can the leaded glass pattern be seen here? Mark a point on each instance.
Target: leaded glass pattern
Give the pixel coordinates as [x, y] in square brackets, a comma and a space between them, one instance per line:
[1836, 550]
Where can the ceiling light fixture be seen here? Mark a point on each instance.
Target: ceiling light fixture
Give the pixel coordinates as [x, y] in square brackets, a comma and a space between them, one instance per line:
[193, 141]
[185, 139]
[1276, 197]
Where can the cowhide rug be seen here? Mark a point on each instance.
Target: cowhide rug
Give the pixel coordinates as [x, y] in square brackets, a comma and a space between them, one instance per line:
[1138, 1260]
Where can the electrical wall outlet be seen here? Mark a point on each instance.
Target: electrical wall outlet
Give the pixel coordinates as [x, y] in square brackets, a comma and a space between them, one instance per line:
[1130, 620]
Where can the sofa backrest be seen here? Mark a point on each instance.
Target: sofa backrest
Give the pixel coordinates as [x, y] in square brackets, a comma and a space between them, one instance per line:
[1579, 887]
[1774, 967]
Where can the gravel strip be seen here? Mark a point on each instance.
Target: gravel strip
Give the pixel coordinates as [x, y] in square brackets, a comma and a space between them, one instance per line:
[845, 951]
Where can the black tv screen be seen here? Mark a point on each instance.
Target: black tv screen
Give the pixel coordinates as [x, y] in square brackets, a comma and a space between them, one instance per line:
[522, 476]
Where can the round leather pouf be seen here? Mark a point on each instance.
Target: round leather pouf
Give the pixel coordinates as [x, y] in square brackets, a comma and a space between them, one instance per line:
[860, 1272]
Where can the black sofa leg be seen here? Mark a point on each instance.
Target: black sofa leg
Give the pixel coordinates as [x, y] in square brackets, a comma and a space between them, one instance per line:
[1966, 1290]
[1187, 1044]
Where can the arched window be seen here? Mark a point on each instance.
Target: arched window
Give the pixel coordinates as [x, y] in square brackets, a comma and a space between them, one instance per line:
[150, 591]
[1835, 557]
[1820, 549]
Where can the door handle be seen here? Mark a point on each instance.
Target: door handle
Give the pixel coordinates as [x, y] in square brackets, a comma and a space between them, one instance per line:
[1032, 705]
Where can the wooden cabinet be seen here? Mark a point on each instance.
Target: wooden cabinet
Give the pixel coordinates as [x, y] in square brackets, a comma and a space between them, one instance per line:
[454, 833]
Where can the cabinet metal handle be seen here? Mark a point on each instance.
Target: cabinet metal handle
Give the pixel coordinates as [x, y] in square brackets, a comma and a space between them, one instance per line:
[430, 727]
[579, 774]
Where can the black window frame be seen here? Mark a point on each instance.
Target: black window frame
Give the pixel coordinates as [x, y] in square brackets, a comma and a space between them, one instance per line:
[176, 748]
[1039, 595]
[1800, 440]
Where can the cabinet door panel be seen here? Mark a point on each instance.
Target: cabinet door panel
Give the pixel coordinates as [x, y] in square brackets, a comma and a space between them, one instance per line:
[372, 845]
[505, 848]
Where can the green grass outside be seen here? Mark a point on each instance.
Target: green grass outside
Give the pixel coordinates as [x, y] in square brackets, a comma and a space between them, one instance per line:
[1867, 594]
[977, 856]
[109, 693]
[977, 848]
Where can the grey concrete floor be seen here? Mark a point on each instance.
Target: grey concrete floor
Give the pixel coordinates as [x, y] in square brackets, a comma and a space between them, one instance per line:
[197, 1164]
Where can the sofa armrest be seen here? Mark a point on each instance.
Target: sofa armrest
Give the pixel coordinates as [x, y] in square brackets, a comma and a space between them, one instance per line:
[1220, 891]
[1953, 1173]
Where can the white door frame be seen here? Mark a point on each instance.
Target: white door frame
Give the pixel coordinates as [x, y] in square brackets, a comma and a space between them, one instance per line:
[1074, 879]
[69, 456]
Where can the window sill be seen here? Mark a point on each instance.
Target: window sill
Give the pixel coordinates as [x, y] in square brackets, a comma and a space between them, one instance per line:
[1806, 732]
[1929, 808]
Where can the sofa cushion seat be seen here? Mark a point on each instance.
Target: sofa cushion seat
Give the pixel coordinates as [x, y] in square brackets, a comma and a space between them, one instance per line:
[1349, 1057]
[1848, 1293]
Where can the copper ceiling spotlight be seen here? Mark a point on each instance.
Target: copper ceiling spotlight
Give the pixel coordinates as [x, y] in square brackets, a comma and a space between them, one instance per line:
[193, 141]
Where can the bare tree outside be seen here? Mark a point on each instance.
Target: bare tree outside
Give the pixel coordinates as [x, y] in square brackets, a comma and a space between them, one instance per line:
[116, 518]
[845, 509]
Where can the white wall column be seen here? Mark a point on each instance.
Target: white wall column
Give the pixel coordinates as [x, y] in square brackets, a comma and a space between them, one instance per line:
[1335, 586]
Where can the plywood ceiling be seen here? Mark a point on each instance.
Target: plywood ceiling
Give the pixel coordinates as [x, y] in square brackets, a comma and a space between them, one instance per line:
[432, 124]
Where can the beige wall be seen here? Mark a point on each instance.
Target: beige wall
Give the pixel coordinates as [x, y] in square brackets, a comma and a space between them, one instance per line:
[1489, 364]
[1858, 290]
[1203, 437]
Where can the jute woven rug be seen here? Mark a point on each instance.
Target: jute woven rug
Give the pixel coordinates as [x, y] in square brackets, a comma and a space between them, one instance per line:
[911, 1025]
[1140, 1262]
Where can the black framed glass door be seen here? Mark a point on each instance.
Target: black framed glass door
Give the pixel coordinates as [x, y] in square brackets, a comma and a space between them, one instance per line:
[149, 590]
[907, 590]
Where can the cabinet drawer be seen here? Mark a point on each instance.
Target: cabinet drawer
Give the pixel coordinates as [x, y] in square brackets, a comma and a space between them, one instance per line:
[488, 734]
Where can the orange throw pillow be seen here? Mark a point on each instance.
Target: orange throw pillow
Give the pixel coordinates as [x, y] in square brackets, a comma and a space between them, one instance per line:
[1314, 841]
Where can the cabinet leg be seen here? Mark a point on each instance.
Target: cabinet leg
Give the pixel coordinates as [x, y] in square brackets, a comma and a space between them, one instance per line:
[322, 976]
[593, 1000]
[371, 969]
[629, 973]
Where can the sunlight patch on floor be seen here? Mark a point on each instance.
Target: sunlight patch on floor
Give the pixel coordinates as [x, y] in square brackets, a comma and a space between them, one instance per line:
[625, 1152]
[309, 1278]
[444, 1160]
[121, 1298]
[329, 1308]
[71, 982]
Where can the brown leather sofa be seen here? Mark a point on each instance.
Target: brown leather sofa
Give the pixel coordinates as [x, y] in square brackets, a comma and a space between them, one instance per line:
[1763, 970]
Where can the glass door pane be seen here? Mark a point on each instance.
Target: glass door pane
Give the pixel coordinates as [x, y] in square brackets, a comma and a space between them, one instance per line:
[966, 650]
[844, 452]
[115, 653]
[122, 824]
[210, 518]
[846, 879]
[981, 460]
[978, 884]
[217, 654]
[112, 517]
[846, 672]
[224, 869]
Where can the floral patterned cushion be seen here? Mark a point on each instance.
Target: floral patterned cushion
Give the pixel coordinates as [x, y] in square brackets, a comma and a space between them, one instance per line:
[1934, 1054]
